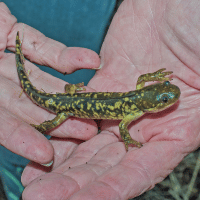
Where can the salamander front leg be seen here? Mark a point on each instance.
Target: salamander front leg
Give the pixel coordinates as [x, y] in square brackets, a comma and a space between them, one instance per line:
[73, 88]
[123, 128]
[50, 124]
[156, 76]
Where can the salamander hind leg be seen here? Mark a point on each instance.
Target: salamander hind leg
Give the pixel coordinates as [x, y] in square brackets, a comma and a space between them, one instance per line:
[51, 124]
[128, 140]
[73, 88]
[123, 128]
[156, 76]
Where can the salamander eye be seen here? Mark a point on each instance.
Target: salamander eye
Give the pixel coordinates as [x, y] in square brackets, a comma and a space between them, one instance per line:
[165, 99]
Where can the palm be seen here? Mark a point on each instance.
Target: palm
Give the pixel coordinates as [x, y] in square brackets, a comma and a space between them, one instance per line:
[142, 38]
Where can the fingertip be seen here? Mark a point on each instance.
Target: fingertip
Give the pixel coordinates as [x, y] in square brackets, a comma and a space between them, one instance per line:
[74, 58]
[32, 171]
[31, 144]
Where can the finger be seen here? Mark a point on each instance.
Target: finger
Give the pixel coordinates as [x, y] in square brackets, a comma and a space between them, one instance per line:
[63, 148]
[45, 51]
[136, 173]
[30, 112]
[19, 138]
[79, 172]
[7, 21]
[40, 79]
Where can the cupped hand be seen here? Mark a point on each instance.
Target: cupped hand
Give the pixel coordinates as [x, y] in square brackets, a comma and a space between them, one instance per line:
[144, 36]
[17, 111]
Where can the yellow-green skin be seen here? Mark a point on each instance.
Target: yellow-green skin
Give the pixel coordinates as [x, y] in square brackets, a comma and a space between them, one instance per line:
[127, 106]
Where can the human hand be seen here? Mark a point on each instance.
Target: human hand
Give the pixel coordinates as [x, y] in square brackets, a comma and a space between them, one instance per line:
[144, 36]
[16, 113]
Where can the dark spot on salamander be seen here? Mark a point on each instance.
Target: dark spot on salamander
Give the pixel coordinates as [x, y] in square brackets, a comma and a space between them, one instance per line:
[78, 106]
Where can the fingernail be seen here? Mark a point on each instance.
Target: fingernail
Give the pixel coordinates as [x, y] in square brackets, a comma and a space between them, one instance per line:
[100, 66]
[48, 164]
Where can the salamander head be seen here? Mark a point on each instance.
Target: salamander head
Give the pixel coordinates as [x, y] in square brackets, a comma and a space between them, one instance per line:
[157, 97]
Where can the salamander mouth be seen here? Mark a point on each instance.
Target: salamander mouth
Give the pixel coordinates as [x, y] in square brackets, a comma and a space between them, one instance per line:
[158, 108]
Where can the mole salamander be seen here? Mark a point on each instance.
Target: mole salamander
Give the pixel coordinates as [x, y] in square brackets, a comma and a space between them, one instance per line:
[124, 106]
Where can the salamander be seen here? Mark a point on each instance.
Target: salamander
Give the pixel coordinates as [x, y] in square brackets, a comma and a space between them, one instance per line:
[124, 106]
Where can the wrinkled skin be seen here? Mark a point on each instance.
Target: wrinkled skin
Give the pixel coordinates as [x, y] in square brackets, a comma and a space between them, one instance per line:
[144, 36]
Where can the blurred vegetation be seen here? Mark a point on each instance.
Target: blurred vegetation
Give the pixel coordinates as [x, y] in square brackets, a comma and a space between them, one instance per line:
[2, 193]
